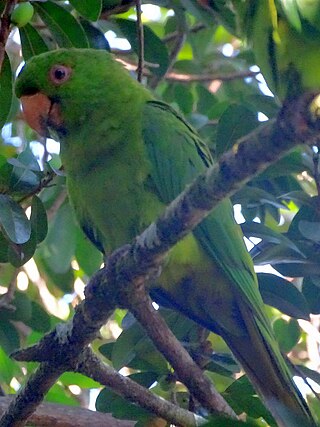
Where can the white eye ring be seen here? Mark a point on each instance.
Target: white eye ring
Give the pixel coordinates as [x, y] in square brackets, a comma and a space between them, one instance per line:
[59, 74]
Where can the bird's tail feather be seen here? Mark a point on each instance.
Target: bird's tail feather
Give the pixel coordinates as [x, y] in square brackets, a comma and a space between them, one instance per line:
[269, 374]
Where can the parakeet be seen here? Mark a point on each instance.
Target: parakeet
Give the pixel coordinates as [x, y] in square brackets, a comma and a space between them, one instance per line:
[285, 37]
[126, 156]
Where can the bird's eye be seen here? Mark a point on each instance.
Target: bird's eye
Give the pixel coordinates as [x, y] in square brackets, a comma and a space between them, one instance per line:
[59, 74]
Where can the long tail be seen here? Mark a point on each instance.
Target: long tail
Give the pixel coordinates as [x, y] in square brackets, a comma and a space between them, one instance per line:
[258, 353]
[266, 368]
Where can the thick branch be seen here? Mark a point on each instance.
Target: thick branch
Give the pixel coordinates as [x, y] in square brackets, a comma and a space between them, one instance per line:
[29, 397]
[65, 344]
[51, 414]
[186, 369]
[135, 264]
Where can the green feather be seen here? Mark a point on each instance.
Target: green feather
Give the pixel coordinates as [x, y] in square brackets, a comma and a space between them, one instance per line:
[285, 37]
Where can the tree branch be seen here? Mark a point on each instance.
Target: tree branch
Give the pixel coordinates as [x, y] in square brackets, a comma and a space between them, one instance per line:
[93, 367]
[121, 283]
[178, 42]
[188, 372]
[208, 77]
[51, 414]
[174, 76]
[28, 398]
[5, 24]
[140, 36]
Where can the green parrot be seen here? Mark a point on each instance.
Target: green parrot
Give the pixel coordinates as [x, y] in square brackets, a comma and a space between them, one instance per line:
[126, 156]
[285, 37]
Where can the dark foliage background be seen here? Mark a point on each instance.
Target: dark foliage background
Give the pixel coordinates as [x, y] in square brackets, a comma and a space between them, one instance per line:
[196, 65]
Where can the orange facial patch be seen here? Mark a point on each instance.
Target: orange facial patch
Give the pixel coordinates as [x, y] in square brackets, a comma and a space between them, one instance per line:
[36, 109]
[39, 112]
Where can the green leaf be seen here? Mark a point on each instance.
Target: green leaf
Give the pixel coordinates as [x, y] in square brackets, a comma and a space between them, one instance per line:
[310, 230]
[300, 198]
[39, 223]
[32, 42]
[9, 337]
[256, 229]
[311, 292]
[243, 398]
[13, 220]
[298, 268]
[198, 11]
[287, 333]
[4, 246]
[222, 364]
[124, 349]
[155, 51]
[40, 319]
[59, 394]
[276, 254]
[262, 103]
[5, 90]
[283, 295]
[20, 254]
[23, 308]
[61, 240]
[292, 14]
[9, 368]
[89, 9]
[64, 27]
[95, 36]
[106, 350]
[133, 348]
[296, 161]
[310, 373]
[234, 123]
[205, 100]
[63, 281]
[88, 256]
[69, 378]
[184, 98]
[253, 196]
[26, 173]
[146, 379]
[307, 213]
[220, 421]
[5, 174]
[110, 402]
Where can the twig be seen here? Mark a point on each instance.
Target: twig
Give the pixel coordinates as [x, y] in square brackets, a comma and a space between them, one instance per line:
[171, 36]
[178, 43]
[91, 366]
[189, 78]
[140, 37]
[208, 77]
[5, 23]
[6, 299]
[44, 183]
[167, 38]
[57, 204]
